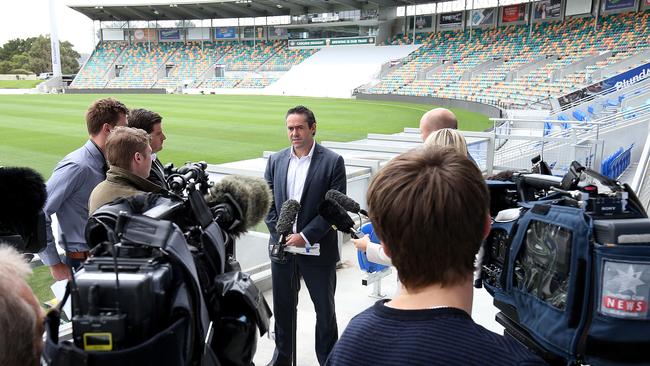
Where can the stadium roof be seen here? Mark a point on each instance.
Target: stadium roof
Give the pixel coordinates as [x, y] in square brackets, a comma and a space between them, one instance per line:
[123, 10]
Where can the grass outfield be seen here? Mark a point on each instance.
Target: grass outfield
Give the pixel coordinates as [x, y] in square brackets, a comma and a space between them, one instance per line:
[19, 84]
[38, 130]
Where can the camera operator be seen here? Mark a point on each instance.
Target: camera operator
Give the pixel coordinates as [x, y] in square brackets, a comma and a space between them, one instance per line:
[151, 122]
[430, 209]
[129, 154]
[21, 317]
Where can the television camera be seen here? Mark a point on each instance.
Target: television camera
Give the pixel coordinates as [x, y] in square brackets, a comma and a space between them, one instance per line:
[162, 284]
[568, 264]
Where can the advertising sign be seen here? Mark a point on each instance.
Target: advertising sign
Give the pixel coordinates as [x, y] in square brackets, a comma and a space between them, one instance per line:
[547, 9]
[483, 17]
[331, 42]
[348, 41]
[170, 34]
[421, 22]
[614, 83]
[306, 42]
[513, 13]
[225, 32]
[619, 4]
[451, 20]
[144, 35]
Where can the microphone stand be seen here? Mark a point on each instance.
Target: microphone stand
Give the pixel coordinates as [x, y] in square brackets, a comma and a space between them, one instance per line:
[295, 286]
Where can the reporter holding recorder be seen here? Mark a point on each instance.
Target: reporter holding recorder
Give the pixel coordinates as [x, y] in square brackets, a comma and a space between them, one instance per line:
[441, 137]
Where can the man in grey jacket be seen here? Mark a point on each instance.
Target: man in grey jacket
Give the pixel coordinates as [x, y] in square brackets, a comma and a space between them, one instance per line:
[72, 181]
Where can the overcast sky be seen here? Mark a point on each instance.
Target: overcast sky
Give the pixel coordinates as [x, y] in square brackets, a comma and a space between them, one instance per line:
[28, 18]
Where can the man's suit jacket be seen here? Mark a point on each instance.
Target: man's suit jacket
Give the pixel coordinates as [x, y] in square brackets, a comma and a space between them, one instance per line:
[326, 171]
[157, 174]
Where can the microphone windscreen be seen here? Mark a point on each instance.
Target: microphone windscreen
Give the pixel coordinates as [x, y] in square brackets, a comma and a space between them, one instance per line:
[346, 202]
[22, 194]
[288, 214]
[251, 194]
[336, 215]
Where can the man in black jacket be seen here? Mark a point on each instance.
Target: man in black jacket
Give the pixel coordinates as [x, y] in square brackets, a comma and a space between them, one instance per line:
[305, 171]
[151, 122]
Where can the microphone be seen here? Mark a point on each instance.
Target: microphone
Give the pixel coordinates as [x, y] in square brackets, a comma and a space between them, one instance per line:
[22, 197]
[346, 202]
[284, 227]
[336, 215]
[238, 202]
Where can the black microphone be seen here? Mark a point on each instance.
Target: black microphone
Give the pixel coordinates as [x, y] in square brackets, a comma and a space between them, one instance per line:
[238, 202]
[22, 197]
[284, 227]
[346, 202]
[337, 216]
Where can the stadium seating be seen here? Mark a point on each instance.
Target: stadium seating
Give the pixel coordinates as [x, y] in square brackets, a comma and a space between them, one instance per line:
[94, 72]
[515, 46]
[170, 64]
[493, 67]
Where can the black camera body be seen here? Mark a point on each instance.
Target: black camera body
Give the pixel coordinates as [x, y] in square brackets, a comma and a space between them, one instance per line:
[161, 286]
[568, 265]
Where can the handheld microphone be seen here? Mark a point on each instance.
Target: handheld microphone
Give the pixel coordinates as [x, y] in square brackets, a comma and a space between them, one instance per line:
[22, 220]
[346, 202]
[284, 227]
[238, 202]
[336, 215]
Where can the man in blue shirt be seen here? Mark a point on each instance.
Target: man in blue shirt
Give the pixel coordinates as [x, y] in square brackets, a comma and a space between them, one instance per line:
[69, 187]
[430, 209]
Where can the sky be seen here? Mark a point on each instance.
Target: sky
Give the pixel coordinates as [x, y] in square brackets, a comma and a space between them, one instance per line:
[29, 18]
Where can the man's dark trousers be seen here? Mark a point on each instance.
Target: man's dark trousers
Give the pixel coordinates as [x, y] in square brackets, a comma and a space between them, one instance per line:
[321, 284]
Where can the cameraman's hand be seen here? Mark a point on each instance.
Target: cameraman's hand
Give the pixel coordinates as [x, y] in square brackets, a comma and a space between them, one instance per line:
[60, 271]
[361, 244]
[296, 240]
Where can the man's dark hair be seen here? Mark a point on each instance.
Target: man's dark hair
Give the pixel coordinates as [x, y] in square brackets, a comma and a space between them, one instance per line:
[104, 111]
[301, 109]
[144, 119]
[429, 207]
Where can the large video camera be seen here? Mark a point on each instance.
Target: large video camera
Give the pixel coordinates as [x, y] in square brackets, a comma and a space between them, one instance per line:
[162, 285]
[568, 264]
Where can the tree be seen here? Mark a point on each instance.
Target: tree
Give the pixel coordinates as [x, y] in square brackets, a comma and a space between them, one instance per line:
[34, 54]
[14, 47]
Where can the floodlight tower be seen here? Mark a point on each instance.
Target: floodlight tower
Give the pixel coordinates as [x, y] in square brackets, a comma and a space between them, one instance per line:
[54, 41]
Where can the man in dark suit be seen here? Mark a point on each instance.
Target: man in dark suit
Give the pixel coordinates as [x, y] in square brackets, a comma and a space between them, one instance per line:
[151, 122]
[304, 172]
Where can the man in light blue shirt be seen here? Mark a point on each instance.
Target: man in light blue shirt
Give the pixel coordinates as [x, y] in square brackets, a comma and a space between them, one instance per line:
[69, 187]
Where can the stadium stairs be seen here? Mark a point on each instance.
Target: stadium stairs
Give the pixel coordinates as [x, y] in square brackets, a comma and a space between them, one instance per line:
[337, 71]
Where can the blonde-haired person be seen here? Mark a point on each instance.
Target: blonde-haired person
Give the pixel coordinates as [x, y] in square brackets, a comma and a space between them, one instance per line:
[446, 137]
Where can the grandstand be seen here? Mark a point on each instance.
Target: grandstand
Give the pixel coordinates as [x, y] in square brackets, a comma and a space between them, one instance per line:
[511, 66]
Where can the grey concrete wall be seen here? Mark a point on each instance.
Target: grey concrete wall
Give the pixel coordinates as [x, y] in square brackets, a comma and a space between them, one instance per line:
[115, 91]
[486, 109]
